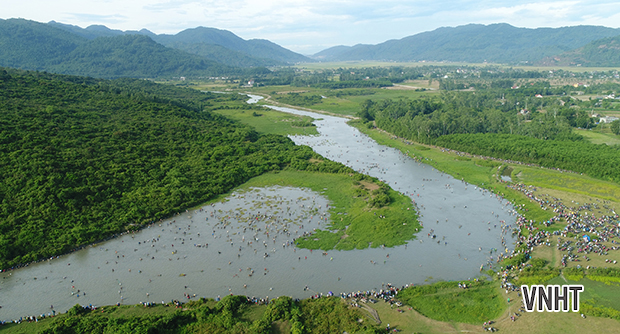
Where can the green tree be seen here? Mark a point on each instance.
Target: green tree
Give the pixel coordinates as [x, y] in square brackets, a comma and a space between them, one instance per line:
[615, 127]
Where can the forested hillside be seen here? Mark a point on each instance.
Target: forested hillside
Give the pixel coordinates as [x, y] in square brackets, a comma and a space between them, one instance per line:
[223, 55]
[138, 57]
[82, 159]
[215, 44]
[36, 46]
[31, 45]
[255, 48]
[603, 52]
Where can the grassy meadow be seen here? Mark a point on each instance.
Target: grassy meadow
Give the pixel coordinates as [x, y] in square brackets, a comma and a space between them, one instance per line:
[599, 137]
[445, 301]
[271, 121]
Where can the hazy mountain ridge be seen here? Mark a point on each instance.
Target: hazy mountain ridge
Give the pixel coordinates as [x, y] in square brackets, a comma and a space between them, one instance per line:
[32, 45]
[135, 56]
[37, 46]
[602, 52]
[500, 43]
[215, 44]
[223, 55]
[202, 51]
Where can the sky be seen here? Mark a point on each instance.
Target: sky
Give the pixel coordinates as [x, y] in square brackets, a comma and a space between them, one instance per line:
[309, 26]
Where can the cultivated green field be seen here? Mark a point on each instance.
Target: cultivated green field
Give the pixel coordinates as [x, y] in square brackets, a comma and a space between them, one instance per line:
[568, 183]
[597, 137]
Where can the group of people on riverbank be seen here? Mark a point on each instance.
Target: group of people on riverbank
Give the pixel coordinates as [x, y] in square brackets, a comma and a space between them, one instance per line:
[590, 230]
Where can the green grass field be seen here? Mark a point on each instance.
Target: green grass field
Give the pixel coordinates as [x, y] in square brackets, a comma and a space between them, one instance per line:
[271, 121]
[603, 294]
[597, 137]
[572, 183]
[445, 301]
[350, 105]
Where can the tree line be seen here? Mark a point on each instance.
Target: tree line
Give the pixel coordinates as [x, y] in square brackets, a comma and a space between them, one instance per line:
[598, 161]
[425, 120]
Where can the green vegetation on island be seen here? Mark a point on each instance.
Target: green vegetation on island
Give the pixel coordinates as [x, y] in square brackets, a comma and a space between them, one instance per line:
[364, 211]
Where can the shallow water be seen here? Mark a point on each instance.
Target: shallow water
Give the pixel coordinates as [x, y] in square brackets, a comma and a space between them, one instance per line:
[173, 260]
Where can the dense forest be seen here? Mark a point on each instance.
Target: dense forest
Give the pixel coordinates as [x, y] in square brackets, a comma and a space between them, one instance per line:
[82, 159]
[425, 120]
[138, 57]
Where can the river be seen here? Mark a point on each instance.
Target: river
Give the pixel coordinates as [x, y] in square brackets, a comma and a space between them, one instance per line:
[243, 245]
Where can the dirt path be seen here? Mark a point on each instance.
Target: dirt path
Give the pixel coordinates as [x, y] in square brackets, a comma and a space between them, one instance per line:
[405, 87]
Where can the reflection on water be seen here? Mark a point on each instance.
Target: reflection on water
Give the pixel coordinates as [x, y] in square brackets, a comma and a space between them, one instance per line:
[244, 245]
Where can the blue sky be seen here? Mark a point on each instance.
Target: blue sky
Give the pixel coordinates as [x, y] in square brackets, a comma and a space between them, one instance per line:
[309, 26]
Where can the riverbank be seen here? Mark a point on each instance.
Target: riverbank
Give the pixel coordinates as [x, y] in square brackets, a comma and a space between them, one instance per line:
[485, 172]
[267, 100]
[552, 204]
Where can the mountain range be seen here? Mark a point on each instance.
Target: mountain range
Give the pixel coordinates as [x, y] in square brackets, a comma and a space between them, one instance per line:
[103, 52]
[475, 43]
[215, 44]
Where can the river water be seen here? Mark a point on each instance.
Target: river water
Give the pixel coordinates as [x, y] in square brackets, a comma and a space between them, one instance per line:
[243, 245]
